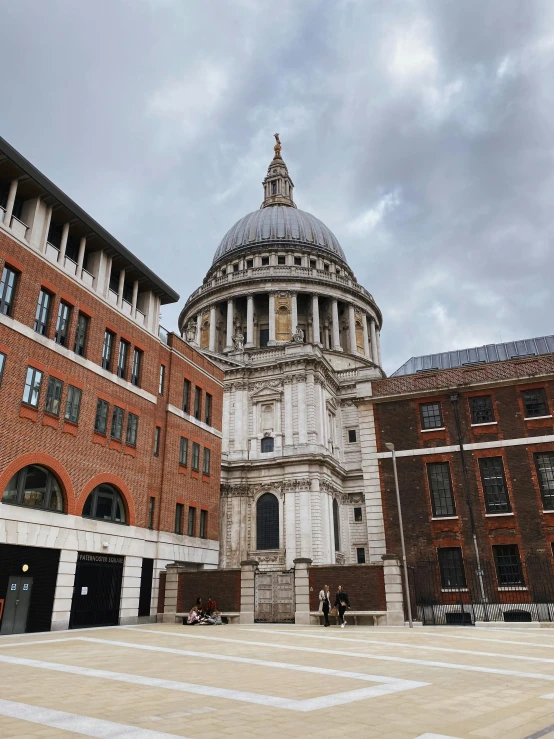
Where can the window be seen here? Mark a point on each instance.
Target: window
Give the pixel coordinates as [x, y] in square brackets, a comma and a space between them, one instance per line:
[534, 403]
[442, 499]
[81, 334]
[161, 380]
[7, 290]
[195, 461]
[431, 415]
[267, 444]
[267, 522]
[236, 267]
[298, 261]
[36, 487]
[137, 363]
[191, 524]
[360, 555]
[132, 427]
[208, 409]
[203, 524]
[106, 504]
[42, 312]
[101, 420]
[313, 263]
[264, 337]
[62, 323]
[451, 566]
[481, 409]
[151, 510]
[508, 565]
[274, 188]
[326, 268]
[206, 463]
[117, 423]
[186, 396]
[183, 451]
[336, 524]
[494, 485]
[157, 434]
[2, 363]
[107, 350]
[122, 356]
[352, 436]
[73, 404]
[197, 402]
[53, 396]
[281, 260]
[265, 261]
[33, 382]
[179, 512]
[545, 471]
[249, 263]
[358, 515]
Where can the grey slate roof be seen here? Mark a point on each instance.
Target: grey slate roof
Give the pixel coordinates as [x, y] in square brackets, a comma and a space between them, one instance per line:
[279, 223]
[477, 355]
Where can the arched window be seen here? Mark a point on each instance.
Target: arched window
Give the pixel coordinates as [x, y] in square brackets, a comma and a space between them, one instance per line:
[36, 487]
[267, 444]
[106, 504]
[267, 522]
[336, 524]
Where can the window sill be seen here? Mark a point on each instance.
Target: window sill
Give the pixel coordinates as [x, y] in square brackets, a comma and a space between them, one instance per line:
[512, 587]
[454, 590]
[106, 520]
[536, 418]
[485, 423]
[493, 515]
[33, 507]
[444, 518]
[438, 428]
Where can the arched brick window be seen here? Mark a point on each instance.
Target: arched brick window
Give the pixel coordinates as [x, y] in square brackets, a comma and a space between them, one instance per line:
[267, 522]
[36, 487]
[336, 524]
[105, 503]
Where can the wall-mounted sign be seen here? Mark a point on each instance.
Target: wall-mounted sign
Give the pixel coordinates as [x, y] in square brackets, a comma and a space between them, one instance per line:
[25, 586]
[100, 558]
[84, 590]
[14, 586]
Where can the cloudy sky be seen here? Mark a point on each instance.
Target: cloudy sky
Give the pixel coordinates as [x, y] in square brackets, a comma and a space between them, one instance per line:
[420, 131]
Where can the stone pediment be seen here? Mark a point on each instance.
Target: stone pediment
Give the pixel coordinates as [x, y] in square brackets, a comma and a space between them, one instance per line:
[266, 393]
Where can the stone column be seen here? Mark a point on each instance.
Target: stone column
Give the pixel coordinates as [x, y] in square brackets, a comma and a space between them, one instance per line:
[10, 203]
[64, 590]
[63, 244]
[171, 586]
[198, 328]
[230, 316]
[366, 337]
[249, 320]
[302, 411]
[211, 345]
[352, 329]
[130, 591]
[134, 298]
[379, 348]
[393, 590]
[81, 257]
[120, 287]
[336, 335]
[247, 590]
[302, 590]
[374, 351]
[271, 318]
[289, 431]
[294, 313]
[315, 319]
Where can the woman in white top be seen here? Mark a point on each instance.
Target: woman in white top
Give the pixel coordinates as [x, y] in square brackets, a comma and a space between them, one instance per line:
[325, 603]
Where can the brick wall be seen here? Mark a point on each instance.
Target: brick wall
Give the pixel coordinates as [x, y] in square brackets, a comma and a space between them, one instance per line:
[364, 584]
[222, 585]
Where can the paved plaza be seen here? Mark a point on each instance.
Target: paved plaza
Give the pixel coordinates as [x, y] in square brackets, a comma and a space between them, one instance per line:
[166, 681]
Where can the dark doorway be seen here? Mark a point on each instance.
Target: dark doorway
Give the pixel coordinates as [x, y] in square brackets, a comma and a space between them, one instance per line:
[97, 590]
[264, 337]
[43, 570]
[16, 605]
[145, 596]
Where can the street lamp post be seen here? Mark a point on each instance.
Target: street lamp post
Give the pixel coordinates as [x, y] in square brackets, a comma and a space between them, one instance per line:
[390, 447]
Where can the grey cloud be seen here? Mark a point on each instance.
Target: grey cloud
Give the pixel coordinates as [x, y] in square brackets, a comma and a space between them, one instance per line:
[419, 131]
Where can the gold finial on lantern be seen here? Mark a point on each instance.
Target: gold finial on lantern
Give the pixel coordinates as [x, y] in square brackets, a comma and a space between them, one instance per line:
[277, 147]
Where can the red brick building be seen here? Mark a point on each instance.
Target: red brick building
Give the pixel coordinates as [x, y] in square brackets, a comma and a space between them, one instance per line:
[110, 444]
[474, 445]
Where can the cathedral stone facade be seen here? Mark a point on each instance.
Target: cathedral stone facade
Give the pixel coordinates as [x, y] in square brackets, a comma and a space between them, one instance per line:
[281, 312]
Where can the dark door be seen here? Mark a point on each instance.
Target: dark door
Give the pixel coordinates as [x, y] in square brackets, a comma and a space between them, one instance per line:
[16, 605]
[97, 591]
[264, 337]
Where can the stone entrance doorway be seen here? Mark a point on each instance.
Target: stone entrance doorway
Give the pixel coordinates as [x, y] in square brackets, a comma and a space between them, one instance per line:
[274, 597]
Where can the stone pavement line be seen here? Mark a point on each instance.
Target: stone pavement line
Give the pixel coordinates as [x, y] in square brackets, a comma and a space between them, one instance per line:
[84, 725]
[435, 736]
[542, 732]
[387, 686]
[378, 657]
[379, 642]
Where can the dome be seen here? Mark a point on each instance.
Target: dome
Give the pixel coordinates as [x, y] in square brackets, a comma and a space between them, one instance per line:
[279, 223]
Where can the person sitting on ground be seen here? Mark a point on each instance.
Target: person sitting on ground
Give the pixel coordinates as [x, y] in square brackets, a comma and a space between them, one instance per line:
[193, 617]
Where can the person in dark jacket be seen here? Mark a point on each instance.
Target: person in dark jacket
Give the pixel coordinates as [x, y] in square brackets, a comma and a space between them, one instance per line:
[341, 604]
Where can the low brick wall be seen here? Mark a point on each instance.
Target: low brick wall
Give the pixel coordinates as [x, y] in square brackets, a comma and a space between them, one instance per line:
[161, 593]
[365, 585]
[222, 585]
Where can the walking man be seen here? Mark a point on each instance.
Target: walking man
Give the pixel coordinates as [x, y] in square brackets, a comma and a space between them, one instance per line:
[325, 603]
[342, 603]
